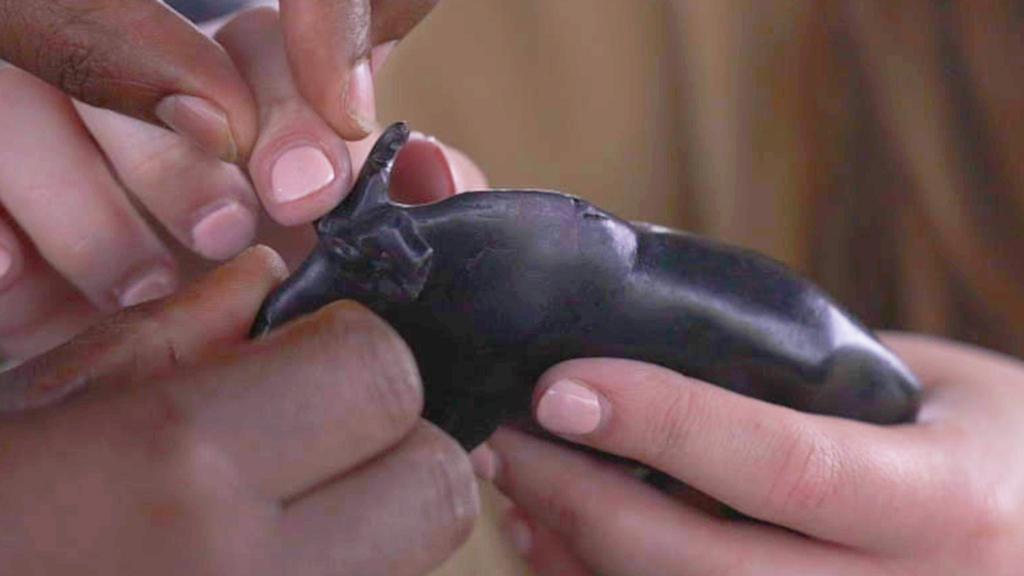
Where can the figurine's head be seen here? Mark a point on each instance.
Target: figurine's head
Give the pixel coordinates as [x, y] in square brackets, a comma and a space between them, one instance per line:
[369, 248]
[372, 242]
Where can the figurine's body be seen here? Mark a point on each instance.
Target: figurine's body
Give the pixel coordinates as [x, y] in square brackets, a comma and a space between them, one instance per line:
[491, 288]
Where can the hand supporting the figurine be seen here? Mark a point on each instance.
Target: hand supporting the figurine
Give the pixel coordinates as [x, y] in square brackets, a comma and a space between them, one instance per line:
[943, 496]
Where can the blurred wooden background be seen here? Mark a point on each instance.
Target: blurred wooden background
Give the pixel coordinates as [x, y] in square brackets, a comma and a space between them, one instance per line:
[876, 146]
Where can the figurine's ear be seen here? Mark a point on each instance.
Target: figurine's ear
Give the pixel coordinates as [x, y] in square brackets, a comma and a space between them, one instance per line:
[371, 188]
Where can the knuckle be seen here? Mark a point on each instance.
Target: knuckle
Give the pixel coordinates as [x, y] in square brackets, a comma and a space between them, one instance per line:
[979, 521]
[288, 117]
[161, 426]
[672, 425]
[167, 155]
[377, 356]
[249, 22]
[562, 516]
[170, 444]
[74, 64]
[454, 501]
[69, 44]
[120, 332]
[140, 337]
[395, 404]
[68, 51]
[988, 515]
[166, 425]
[398, 18]
[116, 350]
[809, 472]
[980, 508]
[562, 511]
[167, 353]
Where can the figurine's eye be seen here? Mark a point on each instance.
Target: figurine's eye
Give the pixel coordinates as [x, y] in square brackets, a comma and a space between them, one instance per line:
[342, 248]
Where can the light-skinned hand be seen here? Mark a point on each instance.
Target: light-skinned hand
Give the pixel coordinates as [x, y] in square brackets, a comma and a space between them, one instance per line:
[942, 496]
[80, 187]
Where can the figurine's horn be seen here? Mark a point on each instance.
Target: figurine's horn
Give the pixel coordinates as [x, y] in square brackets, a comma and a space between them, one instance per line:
[310, 288]
[371, 188]
[314, 284]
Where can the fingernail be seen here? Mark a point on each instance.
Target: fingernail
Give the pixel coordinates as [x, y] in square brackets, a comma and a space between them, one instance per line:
[299, 172]
[441, 180]
[200, 121]
[360, 100]
[569, 407]
[485, 462]
[380, 54]
[517, 533]
[151, 285]
[224, 231]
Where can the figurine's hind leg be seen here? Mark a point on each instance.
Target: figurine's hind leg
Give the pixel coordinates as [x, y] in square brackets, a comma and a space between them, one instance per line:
[477, 397]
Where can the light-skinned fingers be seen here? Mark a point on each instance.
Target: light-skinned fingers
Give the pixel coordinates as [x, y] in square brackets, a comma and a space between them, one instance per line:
[140, 344]
[55, 184]
[41, 310]
[838, 480]
[300, 166]
[619, 526]
[206, 204]
[138, 57]
[402, 513]
[309, 401]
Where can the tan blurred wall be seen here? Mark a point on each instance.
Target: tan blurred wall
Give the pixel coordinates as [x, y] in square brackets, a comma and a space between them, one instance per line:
[874, 145]
[504, 81]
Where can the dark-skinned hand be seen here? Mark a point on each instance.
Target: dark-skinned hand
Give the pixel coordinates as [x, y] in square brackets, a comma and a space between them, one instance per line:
[163, 441]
